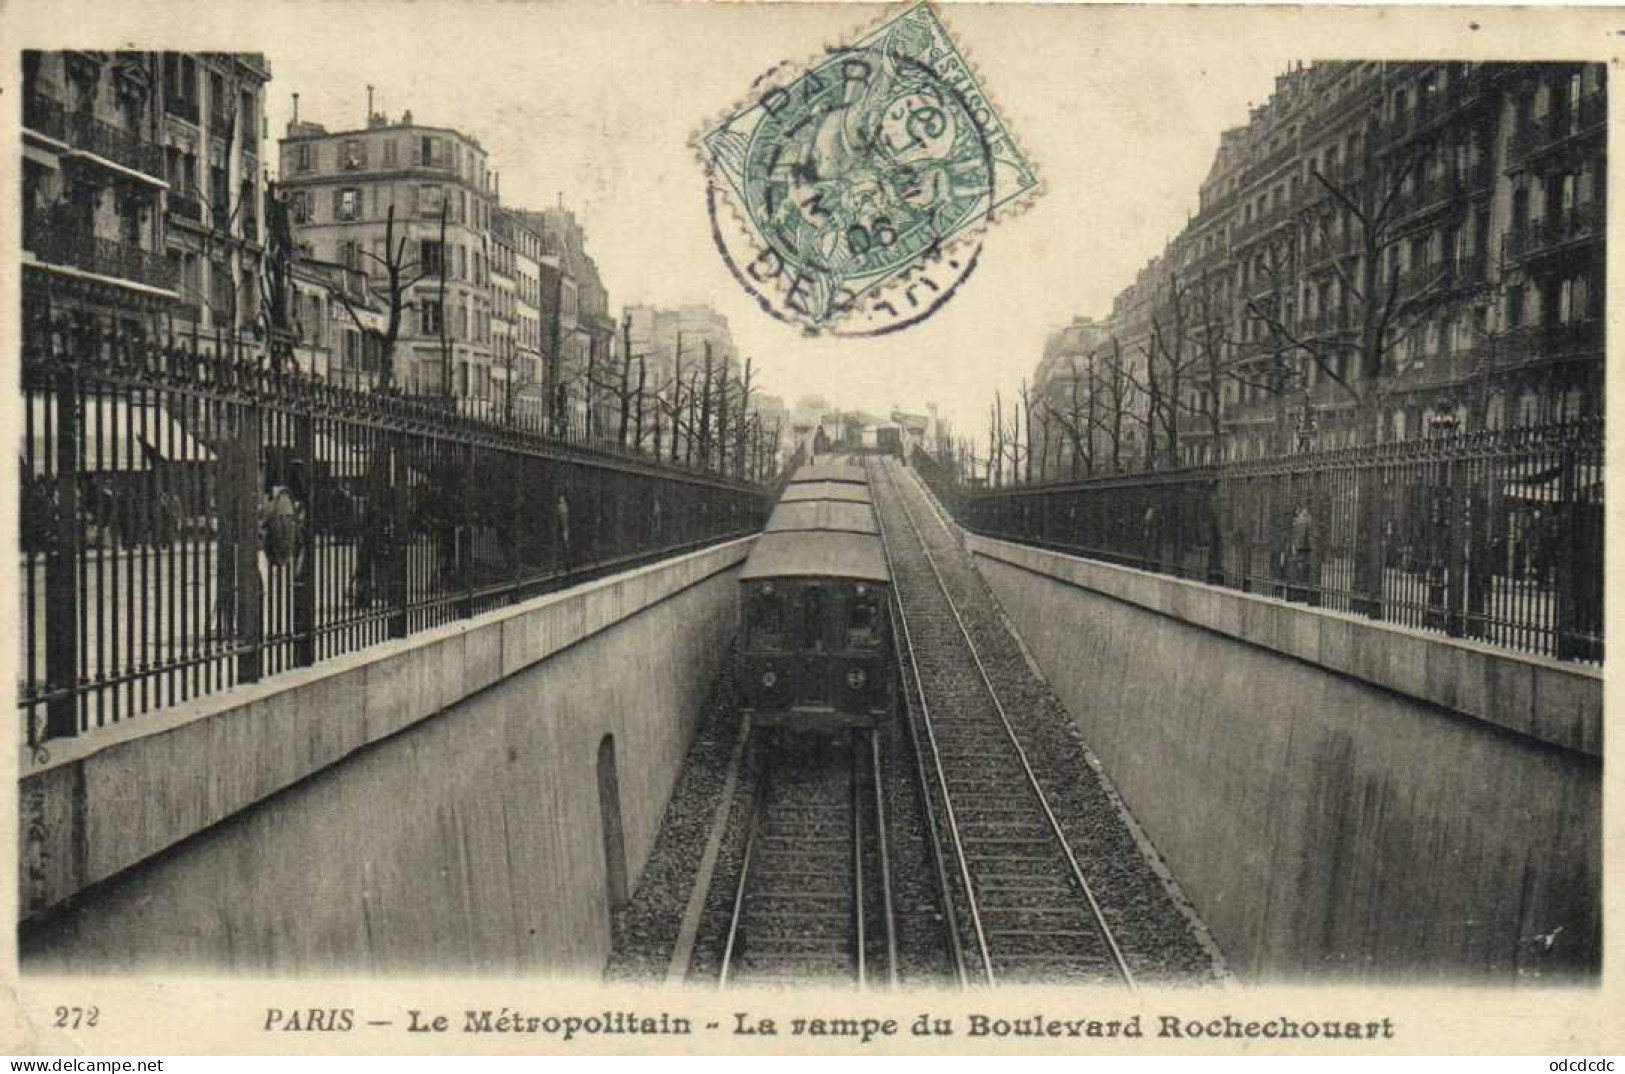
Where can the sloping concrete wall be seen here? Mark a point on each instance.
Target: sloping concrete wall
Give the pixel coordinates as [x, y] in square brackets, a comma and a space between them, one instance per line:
[431, 805]
[1340, 798]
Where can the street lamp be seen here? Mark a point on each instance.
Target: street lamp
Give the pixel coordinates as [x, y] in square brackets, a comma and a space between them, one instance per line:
[1445, 420]
[1308, 428]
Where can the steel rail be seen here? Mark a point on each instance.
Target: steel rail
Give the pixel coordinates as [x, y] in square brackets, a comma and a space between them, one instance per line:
[906, 655]
[860, 950]
[1118, 961]
[744, 868]
[860, 965]
[889, 918]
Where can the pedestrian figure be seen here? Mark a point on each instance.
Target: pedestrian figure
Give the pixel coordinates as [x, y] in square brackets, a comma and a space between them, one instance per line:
[561, 531]
[1303, 555]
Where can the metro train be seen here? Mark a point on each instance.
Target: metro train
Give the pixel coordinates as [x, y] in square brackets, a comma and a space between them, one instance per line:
[815, 648]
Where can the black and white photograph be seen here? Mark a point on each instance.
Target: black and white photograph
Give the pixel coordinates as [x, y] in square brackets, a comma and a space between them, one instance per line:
[698, 518]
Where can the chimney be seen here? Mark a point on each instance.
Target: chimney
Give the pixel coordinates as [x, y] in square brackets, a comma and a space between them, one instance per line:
[296, 108]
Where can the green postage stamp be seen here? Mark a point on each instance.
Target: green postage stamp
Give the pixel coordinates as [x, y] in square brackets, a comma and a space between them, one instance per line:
[850, 196]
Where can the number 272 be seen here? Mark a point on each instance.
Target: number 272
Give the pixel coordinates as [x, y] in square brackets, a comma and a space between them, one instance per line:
[77, 1017]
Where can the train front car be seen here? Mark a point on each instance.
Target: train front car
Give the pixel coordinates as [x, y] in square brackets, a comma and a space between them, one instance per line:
[815, 626]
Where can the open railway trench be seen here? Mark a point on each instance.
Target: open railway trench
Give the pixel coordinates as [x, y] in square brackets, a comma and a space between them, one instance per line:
[1037, 865]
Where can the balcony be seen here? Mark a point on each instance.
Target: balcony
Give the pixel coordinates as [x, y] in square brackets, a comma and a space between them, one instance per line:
[1254, 172]
[45, 116]
[77, 248]
[182, 108]
[85, 132]
[1582, 224]
[1555, 342]
[1262, 225]
[1326, 322]
[1446, 367]
[1558, 128]
[185, 204]
[1442, 190]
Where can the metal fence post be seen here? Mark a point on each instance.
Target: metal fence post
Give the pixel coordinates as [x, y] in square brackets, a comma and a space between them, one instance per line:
[61, 567]
[304, 581]
[1568, 578]
[248, 486]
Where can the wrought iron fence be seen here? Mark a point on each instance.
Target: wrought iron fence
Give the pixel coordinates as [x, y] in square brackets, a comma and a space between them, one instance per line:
[1494, 536]
[193, 518]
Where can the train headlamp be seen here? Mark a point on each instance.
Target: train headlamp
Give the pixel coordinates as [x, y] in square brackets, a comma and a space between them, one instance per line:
[856, 678]
[770, 679]
[862, 589]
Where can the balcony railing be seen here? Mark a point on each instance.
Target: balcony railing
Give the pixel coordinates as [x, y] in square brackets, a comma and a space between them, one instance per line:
[75, 247]
[1556, 127]
[1582, 223]
[185, 204]
[45, 115]
[1268, 165]
[84, 131]
[1326, 322]
[1547, 342]
[109, 142]
[182, 107]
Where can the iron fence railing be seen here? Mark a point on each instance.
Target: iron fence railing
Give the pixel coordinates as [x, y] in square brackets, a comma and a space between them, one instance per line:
[194, 517]
[1493, 536]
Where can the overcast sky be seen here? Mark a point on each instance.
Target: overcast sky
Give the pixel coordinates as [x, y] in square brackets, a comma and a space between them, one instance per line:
[1121, 114]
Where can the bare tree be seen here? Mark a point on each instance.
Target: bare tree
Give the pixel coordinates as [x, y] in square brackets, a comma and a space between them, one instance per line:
[1382, 306]
[1076, 421]
[400, 275]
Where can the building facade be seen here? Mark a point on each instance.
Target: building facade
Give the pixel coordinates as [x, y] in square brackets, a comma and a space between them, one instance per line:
[1382, 251]
[422, 199]
[142, 192]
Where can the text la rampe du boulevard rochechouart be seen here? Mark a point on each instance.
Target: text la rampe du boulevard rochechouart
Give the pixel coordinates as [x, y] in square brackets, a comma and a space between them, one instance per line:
[860, 1029]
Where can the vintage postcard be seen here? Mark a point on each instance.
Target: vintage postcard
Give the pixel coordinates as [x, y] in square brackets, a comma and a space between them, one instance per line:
[849, 528]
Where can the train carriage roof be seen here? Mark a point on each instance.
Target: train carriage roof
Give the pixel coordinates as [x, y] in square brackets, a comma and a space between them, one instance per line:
[841, 516]
[816, 554]
[847, 469]
[826, 490]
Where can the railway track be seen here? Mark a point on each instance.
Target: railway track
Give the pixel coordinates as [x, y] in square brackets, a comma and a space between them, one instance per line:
[812, 902]
[1020, 906]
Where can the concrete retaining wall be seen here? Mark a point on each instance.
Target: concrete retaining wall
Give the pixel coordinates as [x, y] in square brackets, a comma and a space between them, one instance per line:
[1339, 797]
[431, 804]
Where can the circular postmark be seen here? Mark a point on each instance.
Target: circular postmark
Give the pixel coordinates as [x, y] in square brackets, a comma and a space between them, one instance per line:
[862, 188]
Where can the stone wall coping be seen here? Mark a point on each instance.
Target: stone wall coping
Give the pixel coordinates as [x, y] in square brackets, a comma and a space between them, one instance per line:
[1549, 700]
[98, 803]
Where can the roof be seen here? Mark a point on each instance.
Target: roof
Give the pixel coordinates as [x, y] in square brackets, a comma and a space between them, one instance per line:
[823, 515]
[816, 555]
[834, 468]
[827, 490]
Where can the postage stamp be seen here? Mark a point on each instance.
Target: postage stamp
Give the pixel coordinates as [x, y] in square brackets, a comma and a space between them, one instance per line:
[850, 195]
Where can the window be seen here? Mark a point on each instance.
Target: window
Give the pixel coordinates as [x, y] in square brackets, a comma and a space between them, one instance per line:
[350, 254]
[304, 159]
[430, 256]
[347, 203]
[355, 154]
[430, 200]
[429, 314]
[390, 152]
[1515, 306]
[863, 619]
